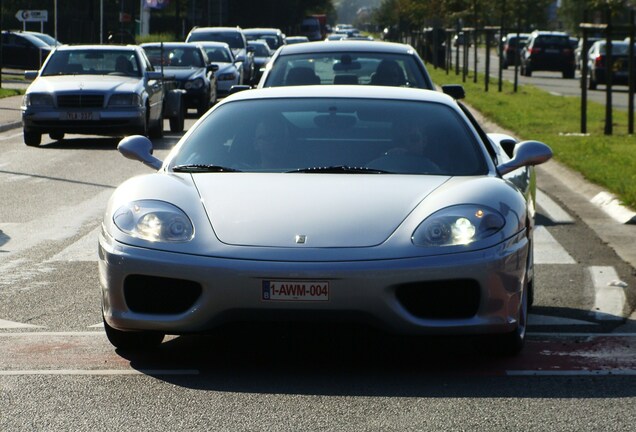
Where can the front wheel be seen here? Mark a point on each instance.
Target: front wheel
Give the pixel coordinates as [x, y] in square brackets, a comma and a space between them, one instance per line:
[132, 340]
[32, 139]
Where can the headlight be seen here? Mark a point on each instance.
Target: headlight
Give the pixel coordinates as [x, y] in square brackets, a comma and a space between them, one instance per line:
[125, 99]
[458, 225]
[226, 76]
[38, 100]
[155, 221]
[194, 84]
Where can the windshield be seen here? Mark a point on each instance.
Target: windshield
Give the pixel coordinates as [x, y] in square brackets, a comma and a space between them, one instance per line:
[233, 39]
[346, 68]
[185, 57]
[332, 135]
[92, 62]
[218, 55]
[261, 50]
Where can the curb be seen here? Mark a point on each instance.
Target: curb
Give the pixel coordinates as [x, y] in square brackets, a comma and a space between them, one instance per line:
[12, 125]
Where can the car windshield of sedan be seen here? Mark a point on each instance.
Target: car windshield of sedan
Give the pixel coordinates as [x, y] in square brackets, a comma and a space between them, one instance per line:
[346, 68]
[219, 55]
[233, 39]
[174, 57]
[332, 135]
[92, 62]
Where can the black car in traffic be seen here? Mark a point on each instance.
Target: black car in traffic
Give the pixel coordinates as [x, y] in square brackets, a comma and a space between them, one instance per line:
[188, 64]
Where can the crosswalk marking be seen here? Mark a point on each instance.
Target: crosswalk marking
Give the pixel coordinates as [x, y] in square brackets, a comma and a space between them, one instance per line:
[547, 250]
[85, 249]
[4, 324]
[552, 210]
[609, 300]
[539, 320]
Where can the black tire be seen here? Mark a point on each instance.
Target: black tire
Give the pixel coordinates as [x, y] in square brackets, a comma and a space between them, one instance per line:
[591, 83]
[178, 123]
[568, 74]
[203, 107]
[156, 131]
[132, 340]
[32, 139]
[57, 136]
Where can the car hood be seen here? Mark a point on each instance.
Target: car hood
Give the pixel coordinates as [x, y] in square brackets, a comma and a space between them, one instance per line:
[70, 83]
[331, 210]
[182, 73]
[224, 67]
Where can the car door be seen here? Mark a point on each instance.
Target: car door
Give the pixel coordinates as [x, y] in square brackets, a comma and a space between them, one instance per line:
[153, 87]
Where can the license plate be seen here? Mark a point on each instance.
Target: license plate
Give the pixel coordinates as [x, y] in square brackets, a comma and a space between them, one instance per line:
[552, 51]
[295, 290]
[80, 115]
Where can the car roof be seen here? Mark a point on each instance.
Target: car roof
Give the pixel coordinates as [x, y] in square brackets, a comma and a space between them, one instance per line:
[344, 91]
[211, 44]
[98, 47]
[262, 30]
[170, 44]
[215, 29]
[347, 45]
[549, 33]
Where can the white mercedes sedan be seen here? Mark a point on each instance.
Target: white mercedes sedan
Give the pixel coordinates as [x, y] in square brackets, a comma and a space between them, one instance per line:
[376, 205]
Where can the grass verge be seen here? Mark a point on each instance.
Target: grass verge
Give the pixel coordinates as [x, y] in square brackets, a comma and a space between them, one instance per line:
[10, 92]
[531, 113]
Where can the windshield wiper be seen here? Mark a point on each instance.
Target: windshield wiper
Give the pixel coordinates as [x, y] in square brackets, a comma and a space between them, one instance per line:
[340, 169]
[194, 168]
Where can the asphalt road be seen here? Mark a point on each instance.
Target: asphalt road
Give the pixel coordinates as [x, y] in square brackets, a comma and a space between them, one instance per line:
[58, 372]
[552, 82]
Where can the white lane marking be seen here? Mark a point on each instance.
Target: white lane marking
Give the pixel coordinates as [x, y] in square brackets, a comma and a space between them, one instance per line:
[98, 325]
[4, 324]
[583, 372]
[547, 250]
[10, 136]
[554, 211]
[579, 335]
[85, 249]
[150, 372]
[69, 333]
[613, 207]
[609, 301]
[534, 319]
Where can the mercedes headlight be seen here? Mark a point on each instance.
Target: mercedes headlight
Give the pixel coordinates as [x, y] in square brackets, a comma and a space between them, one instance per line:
[458, 225]
[155, 221]
[195, 84]
[39, 100]
[124, 99]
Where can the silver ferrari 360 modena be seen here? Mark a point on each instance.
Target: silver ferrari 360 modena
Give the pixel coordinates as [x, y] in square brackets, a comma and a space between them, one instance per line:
[381, 205]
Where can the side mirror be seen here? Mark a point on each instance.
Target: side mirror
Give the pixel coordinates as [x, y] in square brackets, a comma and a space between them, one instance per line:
[239, 88]
[213, 67]
[455, 91]
[30, 75]
[239, 59]
[250, 49]
[526, 153]
[139, 148]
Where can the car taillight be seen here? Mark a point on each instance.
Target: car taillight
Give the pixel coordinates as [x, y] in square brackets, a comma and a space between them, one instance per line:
[599, 62]
[567, 51]
[535, 50]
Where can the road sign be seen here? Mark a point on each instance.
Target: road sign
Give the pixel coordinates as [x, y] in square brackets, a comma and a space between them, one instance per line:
[32, 15]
